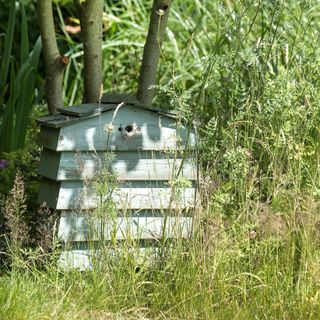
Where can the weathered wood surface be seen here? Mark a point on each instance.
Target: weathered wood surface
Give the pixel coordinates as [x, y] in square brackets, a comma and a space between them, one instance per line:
[68, 195]
[88, 258]
[87, 109]
[57, 120]
[149, 155]
[49, 137]
[131, 99]
[128, 165]
[74, 114]
[77, 227]
[49, 193]
[151, 131]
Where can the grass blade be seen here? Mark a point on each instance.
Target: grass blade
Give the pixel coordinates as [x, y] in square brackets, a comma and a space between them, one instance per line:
[5, 63]
[6, 129]
[24, 36]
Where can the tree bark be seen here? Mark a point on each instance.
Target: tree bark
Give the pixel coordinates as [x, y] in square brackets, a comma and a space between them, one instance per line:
[54, 62]
[91, 30]
[151, 53]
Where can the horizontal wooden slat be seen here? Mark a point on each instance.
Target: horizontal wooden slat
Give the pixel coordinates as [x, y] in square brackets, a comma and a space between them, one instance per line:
[56, 120]
[87, 109]
[128, 165]
[77, 227]
[131, 99]
[85, 259]
[72, 195]
[136, 195]
[74, 114]
[156, 132]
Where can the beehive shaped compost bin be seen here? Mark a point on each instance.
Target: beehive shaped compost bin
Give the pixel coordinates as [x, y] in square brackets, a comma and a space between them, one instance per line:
[116, 171]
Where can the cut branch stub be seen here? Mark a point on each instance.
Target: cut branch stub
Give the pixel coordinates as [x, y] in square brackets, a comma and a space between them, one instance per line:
[152, 50]
[65, 60]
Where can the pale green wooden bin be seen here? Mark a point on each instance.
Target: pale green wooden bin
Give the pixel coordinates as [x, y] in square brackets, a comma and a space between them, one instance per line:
[156, 182]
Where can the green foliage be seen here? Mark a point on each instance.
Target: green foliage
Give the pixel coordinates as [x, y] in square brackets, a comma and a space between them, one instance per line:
[26, 161]
[22, 160]
[17, 87]
[260, 100]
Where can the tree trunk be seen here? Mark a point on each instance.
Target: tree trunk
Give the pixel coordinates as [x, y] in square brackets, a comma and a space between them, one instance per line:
[54, 62]
[91, 30]
[151, 53]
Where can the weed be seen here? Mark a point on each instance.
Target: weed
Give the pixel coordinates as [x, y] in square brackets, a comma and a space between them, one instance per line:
[15, 210]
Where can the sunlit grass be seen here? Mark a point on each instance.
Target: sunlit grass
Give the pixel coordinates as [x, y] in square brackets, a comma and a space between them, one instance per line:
[227, 274]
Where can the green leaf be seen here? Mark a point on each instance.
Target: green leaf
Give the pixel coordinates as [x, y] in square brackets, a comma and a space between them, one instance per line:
[24, 36]
[35, 54]
[23, 74]
[5, 63]
[7, 126]
[25, 98]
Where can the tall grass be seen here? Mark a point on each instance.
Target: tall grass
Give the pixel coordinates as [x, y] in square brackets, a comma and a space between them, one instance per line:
[249, 72]
[228, 276]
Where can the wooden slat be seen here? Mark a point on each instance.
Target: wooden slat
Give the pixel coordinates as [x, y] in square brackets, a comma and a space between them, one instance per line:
[57, 120]
[74, 114]
[72, 195]
[77, 259]
[49, 193]
[92, 138]
[48, 137]
[128, 165]
[49, 164]
[77, 227]
[136, 195]
[51, 118]
[157, 132]
[85, 259]
[87, 109]
[131, 99]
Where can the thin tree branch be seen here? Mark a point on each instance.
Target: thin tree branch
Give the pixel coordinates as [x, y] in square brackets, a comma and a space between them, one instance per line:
[54, 62]
[91, 29]
[151, 53]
